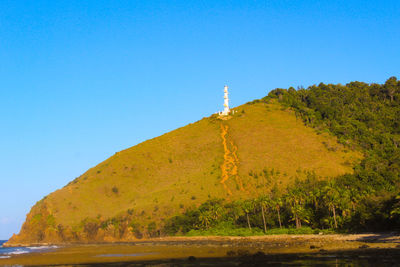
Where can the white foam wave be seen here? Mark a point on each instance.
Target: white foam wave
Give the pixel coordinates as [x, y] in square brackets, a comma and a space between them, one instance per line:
[5, 257]
[7, 252]
[41, 247]
[17, 252]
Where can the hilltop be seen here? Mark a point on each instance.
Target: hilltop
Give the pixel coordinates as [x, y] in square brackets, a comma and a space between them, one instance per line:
[262, 147]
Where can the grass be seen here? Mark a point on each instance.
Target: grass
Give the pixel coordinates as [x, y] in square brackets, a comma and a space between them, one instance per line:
[182, 168]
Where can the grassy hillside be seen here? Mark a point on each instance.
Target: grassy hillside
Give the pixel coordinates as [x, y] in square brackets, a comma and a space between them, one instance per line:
[134, 192]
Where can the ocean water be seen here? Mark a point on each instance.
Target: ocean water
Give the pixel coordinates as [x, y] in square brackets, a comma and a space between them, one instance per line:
[8, 252]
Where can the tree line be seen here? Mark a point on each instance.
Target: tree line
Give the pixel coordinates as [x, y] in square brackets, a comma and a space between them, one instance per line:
[362, 116]
[328, 204]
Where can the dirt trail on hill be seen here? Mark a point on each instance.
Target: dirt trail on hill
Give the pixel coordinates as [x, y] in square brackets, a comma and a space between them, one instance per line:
[229, 167]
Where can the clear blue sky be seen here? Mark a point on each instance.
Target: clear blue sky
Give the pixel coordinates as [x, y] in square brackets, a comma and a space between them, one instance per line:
[80, 80]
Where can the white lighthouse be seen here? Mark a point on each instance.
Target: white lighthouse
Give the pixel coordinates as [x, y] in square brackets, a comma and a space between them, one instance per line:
[226, 103]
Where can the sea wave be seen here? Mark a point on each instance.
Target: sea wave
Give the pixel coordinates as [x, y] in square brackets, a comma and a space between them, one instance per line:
[17, 252]
[42, 247]
[7, 252]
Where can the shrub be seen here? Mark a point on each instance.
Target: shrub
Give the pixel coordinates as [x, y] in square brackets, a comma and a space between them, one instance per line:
[136, 230]
[152, 229]
[91, 228]
[51, 221]
[36, 218]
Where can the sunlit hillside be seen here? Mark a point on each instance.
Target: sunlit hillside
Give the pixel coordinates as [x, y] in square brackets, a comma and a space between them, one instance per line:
[260, 146]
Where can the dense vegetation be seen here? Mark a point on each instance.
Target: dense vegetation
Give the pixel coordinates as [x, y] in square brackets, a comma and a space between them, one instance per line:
[362, 116]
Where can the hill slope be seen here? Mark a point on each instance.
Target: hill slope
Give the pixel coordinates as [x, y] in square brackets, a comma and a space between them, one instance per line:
[132, 193]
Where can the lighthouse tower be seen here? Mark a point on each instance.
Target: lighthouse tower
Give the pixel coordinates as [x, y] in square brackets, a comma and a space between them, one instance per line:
[226, 102]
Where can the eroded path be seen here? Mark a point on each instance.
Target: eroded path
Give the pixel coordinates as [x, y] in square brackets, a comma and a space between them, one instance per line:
[229, 167]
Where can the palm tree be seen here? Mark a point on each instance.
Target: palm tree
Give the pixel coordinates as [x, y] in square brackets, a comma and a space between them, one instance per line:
[292, 202]
[216, 211]
[296, 201]
[247, 208]
[235, 210]
[205, 219]
[264, 203]
[344, 201]
[331, 197]
[210, 213]
[277, 203]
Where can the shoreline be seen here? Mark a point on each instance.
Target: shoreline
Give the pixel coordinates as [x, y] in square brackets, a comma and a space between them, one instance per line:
[393, 236]
[212, 248]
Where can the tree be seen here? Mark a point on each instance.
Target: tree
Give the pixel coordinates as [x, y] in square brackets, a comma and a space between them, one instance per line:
[205, 219]
[234, 210]
[210, 212]
[391, 86]
[277, 203]
[296, 202]
[264, 203]
[332, 197]
[248, 206]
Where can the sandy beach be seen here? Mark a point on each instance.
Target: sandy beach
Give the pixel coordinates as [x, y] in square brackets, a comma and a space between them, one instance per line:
[218, 250]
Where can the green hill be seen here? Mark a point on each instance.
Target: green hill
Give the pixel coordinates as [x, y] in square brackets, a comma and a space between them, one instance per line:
[135, 192]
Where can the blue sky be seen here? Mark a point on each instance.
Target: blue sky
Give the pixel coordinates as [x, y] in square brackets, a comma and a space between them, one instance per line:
[80, 80]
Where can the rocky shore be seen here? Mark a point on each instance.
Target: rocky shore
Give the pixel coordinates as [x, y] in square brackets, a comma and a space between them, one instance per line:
[219, 250]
